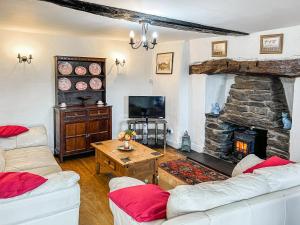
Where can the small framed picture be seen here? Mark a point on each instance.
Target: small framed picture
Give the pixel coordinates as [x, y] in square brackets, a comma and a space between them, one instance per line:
[271, 44]
[219, 49]
[164, 63]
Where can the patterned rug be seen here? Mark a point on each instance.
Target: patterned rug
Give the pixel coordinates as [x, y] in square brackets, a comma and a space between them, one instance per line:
[191, 172]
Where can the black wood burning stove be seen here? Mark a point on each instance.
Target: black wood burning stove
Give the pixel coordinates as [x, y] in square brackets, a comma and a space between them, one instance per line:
[249, 141]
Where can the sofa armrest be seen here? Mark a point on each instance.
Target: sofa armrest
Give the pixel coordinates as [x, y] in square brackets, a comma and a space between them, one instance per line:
[56, 182]
[123, 182]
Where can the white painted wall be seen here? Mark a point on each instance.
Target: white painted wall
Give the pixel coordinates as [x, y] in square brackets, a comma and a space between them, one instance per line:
[242, 48]
[175, 88]
[217, 90]
[295, 131]
[27, 90]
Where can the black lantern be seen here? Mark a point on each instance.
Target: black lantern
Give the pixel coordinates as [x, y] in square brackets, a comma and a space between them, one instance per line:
[186, 142]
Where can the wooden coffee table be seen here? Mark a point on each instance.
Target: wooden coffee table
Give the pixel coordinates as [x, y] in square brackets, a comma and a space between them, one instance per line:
[140, 163]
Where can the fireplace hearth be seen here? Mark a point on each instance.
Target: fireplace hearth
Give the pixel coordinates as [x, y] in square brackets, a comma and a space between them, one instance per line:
[250, 121]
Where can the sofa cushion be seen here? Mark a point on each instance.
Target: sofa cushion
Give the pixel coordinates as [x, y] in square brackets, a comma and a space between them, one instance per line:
[194, 198]
[11, 131]
[271, 162]
[140, 206]
[247, 162]
[281, 177]
[8, 143]
[39, 160]
[13, 184]
[2, 160]
[36, 136]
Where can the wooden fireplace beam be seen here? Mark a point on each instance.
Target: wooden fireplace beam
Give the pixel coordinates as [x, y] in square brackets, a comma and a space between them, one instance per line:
[133, 16]
[279, 68]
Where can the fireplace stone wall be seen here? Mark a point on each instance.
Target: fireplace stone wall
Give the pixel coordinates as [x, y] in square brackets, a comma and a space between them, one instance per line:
[254, 101]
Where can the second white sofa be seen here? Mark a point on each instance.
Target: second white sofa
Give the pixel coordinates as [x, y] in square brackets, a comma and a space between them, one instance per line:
[269, 196]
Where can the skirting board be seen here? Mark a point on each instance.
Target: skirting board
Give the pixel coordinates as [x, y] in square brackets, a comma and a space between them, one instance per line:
[195, 147]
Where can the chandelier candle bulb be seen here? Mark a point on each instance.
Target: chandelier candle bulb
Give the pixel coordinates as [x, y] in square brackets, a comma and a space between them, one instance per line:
[145, 39]
[131, 34]
[154, 35]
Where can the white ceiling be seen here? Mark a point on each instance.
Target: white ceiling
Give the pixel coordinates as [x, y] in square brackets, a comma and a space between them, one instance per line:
[242, 15]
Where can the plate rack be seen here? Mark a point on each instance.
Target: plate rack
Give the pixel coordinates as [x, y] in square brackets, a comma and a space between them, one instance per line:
[73, 96]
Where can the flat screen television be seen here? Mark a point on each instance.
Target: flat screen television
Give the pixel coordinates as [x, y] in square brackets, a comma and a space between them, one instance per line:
[147, 107]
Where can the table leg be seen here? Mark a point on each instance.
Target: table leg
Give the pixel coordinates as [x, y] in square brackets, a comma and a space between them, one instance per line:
[155, 175]
[97, 168]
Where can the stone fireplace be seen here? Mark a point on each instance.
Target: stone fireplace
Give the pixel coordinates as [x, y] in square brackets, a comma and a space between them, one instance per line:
[250, 121]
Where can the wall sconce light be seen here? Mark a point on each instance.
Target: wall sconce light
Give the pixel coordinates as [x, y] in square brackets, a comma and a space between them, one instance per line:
[118, 62]
[23, 59]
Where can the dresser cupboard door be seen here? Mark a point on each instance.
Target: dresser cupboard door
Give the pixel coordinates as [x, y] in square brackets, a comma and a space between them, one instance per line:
[75, 136]
[98, 130]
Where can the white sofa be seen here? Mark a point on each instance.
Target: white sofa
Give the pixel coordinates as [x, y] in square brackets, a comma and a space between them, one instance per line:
[57, 201]
[269, 196]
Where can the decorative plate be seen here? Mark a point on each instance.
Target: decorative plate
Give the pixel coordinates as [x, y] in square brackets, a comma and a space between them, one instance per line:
[96, 83]
[122, 148]
[81, 86]
[95, 69]
[64, 84]
[80, 70]
[65, 68]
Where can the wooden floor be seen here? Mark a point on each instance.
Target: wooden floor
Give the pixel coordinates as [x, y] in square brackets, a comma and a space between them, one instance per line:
[94, 209]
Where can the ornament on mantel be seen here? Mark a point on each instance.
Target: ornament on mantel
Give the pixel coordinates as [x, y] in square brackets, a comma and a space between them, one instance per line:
[287, 123]
[216, 109]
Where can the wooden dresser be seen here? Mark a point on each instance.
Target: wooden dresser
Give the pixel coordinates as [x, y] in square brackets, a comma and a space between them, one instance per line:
[79, 85]
[77, 127]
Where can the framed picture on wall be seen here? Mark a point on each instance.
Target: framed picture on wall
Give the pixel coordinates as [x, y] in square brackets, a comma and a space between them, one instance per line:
[271, 44]
[164, 63]
[219, 48]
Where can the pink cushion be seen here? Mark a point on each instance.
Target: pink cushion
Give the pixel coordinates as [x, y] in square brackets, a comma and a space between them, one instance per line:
[11, 130]
[272, 161]
[143, 203]
[17, 183]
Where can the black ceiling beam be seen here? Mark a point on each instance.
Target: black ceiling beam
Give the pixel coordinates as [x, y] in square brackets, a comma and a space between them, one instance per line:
[117, 13]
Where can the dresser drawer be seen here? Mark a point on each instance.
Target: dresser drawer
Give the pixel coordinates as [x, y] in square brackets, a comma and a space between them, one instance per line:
[75, 115]
[99, 112]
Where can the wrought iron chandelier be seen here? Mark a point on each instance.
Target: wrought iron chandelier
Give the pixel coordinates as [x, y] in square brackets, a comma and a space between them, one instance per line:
[145, 40]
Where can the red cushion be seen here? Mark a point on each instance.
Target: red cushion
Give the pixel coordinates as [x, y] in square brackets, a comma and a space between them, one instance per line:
[273, 161]
[10, 131]
[17, 183]
[143, 203]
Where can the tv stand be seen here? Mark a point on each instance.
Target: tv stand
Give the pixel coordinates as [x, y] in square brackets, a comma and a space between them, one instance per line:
[150, 132]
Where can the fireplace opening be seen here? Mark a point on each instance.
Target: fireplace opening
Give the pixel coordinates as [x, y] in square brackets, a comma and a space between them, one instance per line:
[249, 141]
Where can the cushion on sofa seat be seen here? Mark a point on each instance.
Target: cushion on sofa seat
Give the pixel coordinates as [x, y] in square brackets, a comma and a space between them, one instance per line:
[11, 130]
[2, 160]
[270, 162]
[247, 162]
[144, 203]
[37, 160]
[194, 198]
[13, 184]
